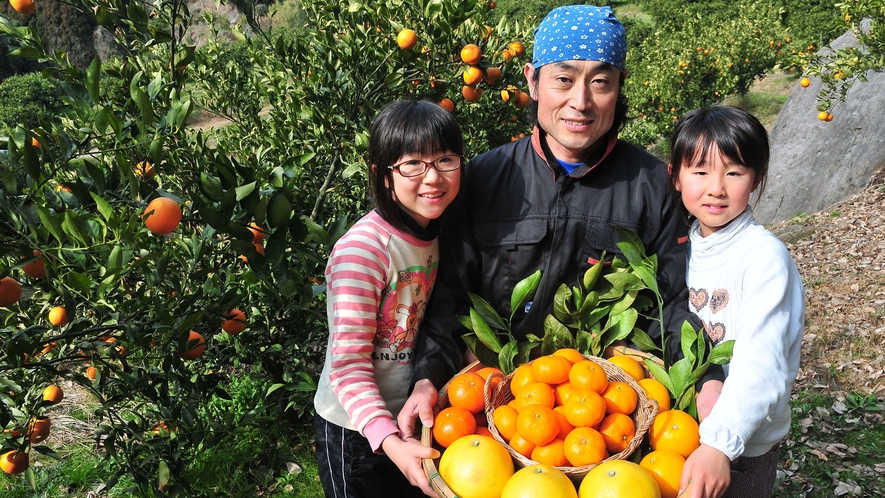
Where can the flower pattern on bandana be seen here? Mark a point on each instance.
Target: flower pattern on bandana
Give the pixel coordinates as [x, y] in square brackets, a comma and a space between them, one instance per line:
[580, 32]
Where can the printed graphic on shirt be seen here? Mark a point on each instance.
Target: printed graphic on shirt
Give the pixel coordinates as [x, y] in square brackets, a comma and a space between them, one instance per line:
[402, 305]
[719, 300]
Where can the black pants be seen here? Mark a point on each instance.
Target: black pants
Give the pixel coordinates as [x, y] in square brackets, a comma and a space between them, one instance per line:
[348, 468]
[753, 477]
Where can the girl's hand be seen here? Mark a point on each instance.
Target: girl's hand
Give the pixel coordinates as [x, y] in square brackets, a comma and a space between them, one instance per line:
[709, 472]
[419, 405]
[407, 456]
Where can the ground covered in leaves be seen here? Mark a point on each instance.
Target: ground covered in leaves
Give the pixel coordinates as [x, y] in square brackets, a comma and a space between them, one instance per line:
[839, 396]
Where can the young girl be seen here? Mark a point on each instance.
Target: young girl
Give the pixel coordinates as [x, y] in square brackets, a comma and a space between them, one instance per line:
[380, 276]
[744, 285]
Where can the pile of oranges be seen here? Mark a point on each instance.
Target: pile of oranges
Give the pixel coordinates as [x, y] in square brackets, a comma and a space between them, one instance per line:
[567, 412]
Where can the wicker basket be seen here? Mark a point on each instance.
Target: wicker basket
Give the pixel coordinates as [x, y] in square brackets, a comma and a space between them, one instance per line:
[645, 412]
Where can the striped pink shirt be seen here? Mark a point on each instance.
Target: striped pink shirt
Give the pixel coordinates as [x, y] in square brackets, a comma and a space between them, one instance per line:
[378, 283]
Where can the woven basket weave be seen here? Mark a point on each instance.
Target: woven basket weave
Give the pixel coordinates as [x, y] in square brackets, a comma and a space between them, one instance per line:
[645, 412]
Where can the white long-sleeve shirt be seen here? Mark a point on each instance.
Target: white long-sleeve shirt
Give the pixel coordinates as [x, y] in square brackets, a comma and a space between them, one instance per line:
[378, 282]
[744, 285]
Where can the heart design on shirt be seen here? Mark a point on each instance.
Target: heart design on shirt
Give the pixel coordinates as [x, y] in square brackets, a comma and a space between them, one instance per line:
[719, 300]
[698, 298]
[715, 331]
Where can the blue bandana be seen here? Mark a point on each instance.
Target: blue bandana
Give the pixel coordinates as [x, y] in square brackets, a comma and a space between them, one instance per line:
[580, 32]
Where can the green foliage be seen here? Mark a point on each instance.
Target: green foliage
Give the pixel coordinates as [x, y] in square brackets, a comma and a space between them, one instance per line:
[28, 99]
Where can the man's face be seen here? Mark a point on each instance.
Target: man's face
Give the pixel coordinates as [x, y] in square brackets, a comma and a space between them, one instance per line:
[576, 104]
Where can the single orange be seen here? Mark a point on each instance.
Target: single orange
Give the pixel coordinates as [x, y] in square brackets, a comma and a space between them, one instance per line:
[630, 366]
[26, 8]
[521, 377]
[584, 408]
[53, 394]
[562, 392]
[10, 291]
[472, 75]
[407, 39]
[619, 397]
[588, 374]
[523, 99]
[521, 445]
[452, 423]
[517, 48]
[564, 426]
[666, 468]
[257, 233]
[144, 169]
[36, 268]
[465, 390]
[235, 323]
[493, 76]
[482, 430]
[196, 346]
[584, 446]
[471, 94]
[507, 54]
[447, 104]
[536, 393]
[617, 430]
[471, 54]
[162, 215]
[656, 391]
[38, 429]
[805, 82]
[550, 453]
[674, 430]
[537, 424]
[539, 480]
[486, 372]
[504, 417]
[551, 369]
[91, 372]
[14, 462]
[58, 316]
[570, 354]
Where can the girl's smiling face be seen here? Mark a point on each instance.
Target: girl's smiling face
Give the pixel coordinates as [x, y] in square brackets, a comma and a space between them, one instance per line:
[424, 197]
[715, 189]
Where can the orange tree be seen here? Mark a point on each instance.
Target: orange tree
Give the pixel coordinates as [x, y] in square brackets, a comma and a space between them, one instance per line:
[146, 309]
[698, 59]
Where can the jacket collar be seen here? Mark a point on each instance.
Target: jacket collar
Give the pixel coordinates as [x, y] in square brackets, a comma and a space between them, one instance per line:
[540, 148]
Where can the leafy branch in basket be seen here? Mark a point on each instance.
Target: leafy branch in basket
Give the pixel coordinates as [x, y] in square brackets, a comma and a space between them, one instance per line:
[679, 378]
[491, 339]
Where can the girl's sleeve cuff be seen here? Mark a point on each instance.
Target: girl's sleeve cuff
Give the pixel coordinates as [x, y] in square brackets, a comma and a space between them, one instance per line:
[722, 438]
[377, 429]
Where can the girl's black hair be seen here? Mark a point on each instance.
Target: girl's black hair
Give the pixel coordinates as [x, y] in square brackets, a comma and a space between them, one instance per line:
[406, 127]
[737, 134]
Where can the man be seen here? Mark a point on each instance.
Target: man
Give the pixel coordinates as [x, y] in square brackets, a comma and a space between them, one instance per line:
[551, 201]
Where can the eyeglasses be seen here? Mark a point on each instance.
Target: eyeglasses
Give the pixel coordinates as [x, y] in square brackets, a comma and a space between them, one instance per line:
[417, 167]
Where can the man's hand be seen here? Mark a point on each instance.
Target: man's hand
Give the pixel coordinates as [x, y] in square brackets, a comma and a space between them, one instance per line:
[419, 405]
[407, 456]
[709, 472]
[707, 398]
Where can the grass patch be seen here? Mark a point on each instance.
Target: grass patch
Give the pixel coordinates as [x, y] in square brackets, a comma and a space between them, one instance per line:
[834, 447]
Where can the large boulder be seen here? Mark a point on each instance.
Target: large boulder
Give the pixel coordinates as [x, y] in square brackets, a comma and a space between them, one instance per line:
[815, 164]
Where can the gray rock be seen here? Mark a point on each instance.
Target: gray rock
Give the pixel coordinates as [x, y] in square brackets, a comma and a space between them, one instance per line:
[815, 164]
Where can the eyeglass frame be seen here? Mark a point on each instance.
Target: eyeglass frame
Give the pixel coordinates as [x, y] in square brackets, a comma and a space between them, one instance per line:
[426, 164]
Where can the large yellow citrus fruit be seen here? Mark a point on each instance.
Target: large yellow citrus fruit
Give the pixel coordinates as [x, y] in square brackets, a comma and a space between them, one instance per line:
[58, 316]
[24, 7]
[14, 462]
[162, 215]
[618, 479]
[539, 480]
[666, 468]
[674, 430]
[476, 467]
[10, 291]
[407, 39]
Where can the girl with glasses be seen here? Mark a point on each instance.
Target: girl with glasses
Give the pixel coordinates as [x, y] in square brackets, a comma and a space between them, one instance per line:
[380, 276]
